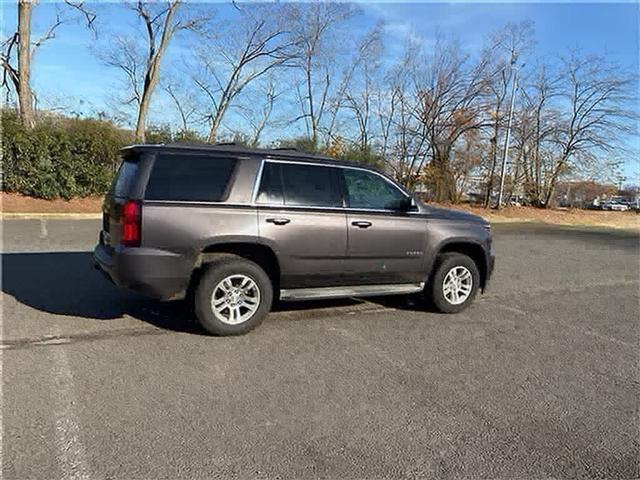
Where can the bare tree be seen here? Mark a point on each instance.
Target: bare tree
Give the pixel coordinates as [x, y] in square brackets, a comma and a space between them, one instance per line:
[259, 121]
[237, 53]
[598, 114]
[141, 70]
[354, 90]
[398, 134]
[504, 51]
[25, 99]
[316, 27]
[534, 128]
[19, 44]
[448, 99]
[184, 102]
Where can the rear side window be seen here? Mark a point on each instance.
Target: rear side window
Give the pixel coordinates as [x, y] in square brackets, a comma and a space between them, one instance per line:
[299, 185]
[189, 178]
[126, 176]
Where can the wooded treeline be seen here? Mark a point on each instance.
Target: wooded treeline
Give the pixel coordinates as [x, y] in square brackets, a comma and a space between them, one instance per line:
[435, 116]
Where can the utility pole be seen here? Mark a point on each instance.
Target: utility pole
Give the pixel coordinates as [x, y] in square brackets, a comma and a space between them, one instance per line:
[507, 138]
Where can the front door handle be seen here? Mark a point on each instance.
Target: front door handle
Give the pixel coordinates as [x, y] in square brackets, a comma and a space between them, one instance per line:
[278, 221]
[361, 224]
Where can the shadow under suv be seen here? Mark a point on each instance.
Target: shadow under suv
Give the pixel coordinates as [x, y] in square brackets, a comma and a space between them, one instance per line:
[234, 229]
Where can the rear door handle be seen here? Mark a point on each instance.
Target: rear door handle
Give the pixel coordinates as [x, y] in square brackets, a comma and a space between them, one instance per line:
[361, 224]
[278, 221]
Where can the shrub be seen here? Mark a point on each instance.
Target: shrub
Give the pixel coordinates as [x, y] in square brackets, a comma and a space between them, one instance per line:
[60, 157]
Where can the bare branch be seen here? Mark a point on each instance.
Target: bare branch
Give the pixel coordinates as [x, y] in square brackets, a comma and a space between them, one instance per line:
[50, 33]
[89, 15]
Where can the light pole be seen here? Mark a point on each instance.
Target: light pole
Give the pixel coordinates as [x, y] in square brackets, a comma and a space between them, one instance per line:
[507, 137]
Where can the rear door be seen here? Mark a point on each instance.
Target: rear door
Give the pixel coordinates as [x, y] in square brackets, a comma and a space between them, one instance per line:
[302, 218]
[385, 244]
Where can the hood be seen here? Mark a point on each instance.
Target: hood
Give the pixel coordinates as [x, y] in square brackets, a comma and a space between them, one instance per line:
[449, 214]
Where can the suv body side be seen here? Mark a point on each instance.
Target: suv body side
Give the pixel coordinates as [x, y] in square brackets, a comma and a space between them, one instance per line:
[313, 246]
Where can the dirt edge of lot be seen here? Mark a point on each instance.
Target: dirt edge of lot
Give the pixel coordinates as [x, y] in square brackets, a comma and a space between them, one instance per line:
[19, 206]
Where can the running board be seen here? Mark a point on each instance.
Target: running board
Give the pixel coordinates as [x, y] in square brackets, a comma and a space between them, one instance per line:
[350, 291]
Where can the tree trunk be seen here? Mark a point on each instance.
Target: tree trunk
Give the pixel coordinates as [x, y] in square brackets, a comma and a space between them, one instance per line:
[223, 106]
[25, 99]
[143, 111]
[554, 180]
[444, 181]
[536, 158]
[153, 71]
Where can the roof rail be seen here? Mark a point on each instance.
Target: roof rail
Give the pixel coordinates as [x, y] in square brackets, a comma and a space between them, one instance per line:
[226, 144]
[188, 143]
[293, 149]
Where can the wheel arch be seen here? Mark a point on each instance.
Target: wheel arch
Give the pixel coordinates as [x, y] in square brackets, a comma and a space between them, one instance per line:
[259, 253]
[470, 248]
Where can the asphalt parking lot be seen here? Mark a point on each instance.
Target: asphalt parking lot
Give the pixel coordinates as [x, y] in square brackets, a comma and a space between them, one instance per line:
[538, 379]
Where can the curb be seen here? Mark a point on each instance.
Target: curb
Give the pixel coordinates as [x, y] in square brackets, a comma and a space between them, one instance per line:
[39, 216]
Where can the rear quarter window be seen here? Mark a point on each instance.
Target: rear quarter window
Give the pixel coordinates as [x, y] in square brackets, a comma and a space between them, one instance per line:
[189, 178]
[125, 178]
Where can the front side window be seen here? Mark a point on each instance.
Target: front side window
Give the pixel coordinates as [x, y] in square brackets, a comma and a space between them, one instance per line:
[370, 191]
[271, 185]
[299, 185]
[184, 177]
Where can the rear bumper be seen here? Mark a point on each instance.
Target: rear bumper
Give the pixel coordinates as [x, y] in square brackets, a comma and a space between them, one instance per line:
[152, 272]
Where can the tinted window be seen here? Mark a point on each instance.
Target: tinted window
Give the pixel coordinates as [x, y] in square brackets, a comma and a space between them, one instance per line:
[271, 185]
[125, 178]
[370, 191]
[309, 185]
[296, 184]
[189, 178]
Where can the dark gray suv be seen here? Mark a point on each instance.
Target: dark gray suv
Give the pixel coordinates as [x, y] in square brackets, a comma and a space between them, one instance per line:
[234, 229]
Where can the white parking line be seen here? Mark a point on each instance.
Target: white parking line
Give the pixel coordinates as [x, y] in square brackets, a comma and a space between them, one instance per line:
[43, 228]
[71, 452]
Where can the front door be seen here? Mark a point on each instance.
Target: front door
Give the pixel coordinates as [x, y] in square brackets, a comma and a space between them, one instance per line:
[300, 215]
[386, 243]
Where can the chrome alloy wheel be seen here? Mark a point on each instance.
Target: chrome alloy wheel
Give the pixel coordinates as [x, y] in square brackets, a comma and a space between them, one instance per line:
[235, 299]
[457, 285]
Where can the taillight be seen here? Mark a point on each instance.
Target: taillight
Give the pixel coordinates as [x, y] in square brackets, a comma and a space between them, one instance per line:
[131, 223]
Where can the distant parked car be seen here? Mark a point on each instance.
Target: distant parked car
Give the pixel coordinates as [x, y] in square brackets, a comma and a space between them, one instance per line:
[614, 206]
[619, 207]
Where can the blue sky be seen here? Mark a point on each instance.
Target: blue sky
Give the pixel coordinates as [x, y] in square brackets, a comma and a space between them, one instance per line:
[66, 70]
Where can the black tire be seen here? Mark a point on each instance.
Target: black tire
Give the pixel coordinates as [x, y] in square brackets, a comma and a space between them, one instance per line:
[216, 272]
[444, 264]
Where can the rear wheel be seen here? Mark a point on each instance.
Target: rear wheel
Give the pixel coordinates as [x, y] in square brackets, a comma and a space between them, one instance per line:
[455, 282]
[233, 296]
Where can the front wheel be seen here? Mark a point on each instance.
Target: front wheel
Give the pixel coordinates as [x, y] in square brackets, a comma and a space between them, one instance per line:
[455, 282]
[233, 296]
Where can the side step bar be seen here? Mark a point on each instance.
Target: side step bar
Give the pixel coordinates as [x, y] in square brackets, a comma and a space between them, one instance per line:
[350, 291]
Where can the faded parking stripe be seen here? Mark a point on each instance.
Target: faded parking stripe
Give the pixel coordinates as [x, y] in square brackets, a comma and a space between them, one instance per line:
[71, 454]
